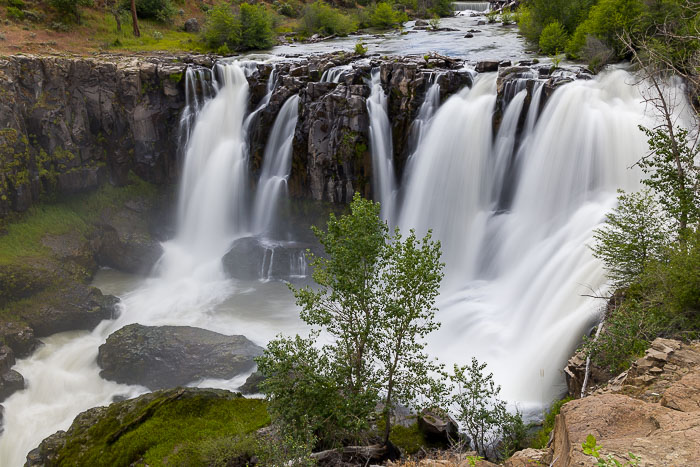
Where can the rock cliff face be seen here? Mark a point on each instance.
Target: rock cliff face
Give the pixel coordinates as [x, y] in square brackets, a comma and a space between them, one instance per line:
[68, 124]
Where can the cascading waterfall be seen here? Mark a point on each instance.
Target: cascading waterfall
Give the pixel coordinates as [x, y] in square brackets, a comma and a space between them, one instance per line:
[188, 285]
[214, 185]
[443, 182]
[277, 163]
[471, 6]
[383, 176]
[333, 74]
[512, 295]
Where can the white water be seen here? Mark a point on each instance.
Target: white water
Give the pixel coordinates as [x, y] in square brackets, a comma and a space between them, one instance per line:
[277, 163]
[189, 286]
[471, 6]
[512, 295]
[383, 176]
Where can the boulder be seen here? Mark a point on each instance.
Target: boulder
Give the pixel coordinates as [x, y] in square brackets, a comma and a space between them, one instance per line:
[10, 382]
[77, 306]
[486, 66]
[168, 356]
[18, 337]
[252, 383]
[421, 22]
[252, 258]
[528, 458]
[104, 426]
[192, 25]
[468, 35]
[622, 425]
[438, 426]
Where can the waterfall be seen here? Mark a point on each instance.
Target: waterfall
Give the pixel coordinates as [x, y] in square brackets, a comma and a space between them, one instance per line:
[512, 294]
[277, 163]
[471, 6]
[333, 74]
[214, 185]
[446, 188]
[430, 104]
[383, 176]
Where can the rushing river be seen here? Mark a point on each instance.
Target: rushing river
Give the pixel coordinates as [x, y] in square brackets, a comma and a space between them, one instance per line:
[514, 221]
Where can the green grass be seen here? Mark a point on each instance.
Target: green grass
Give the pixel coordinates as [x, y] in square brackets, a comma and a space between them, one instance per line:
[541, 437]
[166, 431]
[103, 30]
[74, 213]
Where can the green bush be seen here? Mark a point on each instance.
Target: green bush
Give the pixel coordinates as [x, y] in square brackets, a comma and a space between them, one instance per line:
[15, 13]
[553, 39]
[16, 3]
[610, 18]
[162, 11]
[256, 27]
[320, 18]
[441, 8]
[526, 24]
[69, 9]
[360, 48]
[384, 16]
[541, 438]
[222, 29]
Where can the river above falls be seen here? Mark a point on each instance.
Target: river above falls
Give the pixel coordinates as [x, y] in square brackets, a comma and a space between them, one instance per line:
[491, 42]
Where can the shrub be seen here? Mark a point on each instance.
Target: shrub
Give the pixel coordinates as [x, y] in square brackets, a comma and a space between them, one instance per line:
[434, 22]
[482, 414]
[553, 39]
[384, 16]
[323, 19]
[256, 27]
[492, 16]
[360, 48]
[222, 29]
[160, 10]
[526, 24]
[634, 234]
[609, 18]
[15, 13]
[69, 9]
[441, 8]
[507, 17]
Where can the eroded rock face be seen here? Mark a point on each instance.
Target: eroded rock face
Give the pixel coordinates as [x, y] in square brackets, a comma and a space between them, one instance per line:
[652, 411]
[168, 356]
[69, 124]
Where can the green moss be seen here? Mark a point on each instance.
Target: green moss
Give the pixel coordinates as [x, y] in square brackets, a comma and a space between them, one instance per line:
[176, 77]
[541, 437]
[171, 428]
[75, 213]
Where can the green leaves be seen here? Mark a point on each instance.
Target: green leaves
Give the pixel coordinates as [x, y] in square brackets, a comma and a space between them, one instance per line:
[250, 28]
[590, 448]
[374, 298]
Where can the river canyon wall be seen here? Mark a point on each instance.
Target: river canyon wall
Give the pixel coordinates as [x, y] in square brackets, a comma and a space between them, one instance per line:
[70, 124]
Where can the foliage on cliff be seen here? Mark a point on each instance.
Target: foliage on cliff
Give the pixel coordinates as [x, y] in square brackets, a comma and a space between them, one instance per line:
[601, 31]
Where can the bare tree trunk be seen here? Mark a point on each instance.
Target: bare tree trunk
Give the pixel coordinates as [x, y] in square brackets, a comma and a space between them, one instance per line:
[135, 19]
[117, 18]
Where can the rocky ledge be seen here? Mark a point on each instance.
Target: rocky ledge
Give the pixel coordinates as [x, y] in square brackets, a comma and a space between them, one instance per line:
[167, 356]
[70, 124]
[652, 411]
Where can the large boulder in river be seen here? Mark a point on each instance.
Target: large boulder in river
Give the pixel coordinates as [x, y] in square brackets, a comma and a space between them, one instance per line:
[253, 258]
[168, 356]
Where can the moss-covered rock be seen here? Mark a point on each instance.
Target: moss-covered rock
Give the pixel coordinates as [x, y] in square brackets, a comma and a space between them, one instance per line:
[171, 427]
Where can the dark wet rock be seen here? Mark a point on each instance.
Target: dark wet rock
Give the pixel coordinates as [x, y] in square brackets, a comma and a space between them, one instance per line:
[10, 382]
[253, 258]
[421, 22]
[168, 356]
[18, 337]
[69, 124]
[252, 383]
[486, 66]
[74, 307]
[468, 35]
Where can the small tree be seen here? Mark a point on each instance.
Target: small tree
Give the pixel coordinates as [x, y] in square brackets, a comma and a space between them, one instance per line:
[375, 299]
[673, 174]
[634, 234]
[482, 414]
